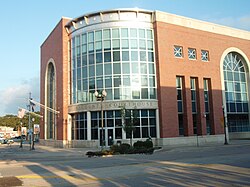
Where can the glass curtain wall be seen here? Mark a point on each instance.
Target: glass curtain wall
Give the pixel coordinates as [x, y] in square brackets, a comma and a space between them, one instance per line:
[119, 60]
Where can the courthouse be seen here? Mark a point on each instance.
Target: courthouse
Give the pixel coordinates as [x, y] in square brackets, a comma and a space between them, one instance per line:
[187, 80]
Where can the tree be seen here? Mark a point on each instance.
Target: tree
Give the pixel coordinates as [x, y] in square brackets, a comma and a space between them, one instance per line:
[129, 121]
[14, 122]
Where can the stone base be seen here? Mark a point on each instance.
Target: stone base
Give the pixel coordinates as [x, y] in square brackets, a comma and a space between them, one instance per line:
[177, 141]
[191, 140]
[239, 135]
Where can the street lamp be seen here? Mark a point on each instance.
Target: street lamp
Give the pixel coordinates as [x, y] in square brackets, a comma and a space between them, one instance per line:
[100, 97]
[21, 142]
[225, 125]
[32, 139]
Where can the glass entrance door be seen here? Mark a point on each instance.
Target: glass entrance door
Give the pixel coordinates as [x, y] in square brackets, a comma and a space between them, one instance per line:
[110, 137]
[106, 137]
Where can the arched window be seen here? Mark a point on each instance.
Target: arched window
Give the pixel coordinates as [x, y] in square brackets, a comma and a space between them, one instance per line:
[50, 101]
[236, 94]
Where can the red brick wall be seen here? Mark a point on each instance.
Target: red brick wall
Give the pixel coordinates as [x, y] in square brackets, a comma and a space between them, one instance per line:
[56, 47]
[168, 67]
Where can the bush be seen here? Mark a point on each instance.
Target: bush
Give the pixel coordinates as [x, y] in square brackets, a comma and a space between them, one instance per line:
[122, 149]
[138, 145]
[148, 143]
[115, 148]
[99, 153]
[143, 144]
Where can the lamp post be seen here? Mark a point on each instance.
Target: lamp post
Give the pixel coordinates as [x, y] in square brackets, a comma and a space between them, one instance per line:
[30, 133]
[100, 97]
[21, 142]
[225, 125]
[33, 142]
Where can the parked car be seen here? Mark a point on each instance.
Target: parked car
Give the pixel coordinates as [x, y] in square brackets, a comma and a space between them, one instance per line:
[5, 141]
[10, 141]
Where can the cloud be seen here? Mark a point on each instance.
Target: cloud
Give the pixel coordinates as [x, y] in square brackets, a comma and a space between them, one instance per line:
[17, 96]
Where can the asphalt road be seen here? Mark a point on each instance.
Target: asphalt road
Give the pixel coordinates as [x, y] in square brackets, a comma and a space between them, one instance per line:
[214, 165]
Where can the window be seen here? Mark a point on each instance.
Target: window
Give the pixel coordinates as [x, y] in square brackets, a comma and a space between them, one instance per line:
[204, 55]
[113, 53]
[193, 95]
[237, 99]
[191, 53]
[79, 127]
[207, 105]
[178, 51]
[179, 83]
[194, 89]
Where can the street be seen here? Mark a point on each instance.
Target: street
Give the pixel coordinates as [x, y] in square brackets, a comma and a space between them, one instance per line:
[213, 165]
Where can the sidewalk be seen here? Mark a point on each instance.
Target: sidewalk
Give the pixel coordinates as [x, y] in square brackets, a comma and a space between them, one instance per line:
[14, 151]
[201, 147]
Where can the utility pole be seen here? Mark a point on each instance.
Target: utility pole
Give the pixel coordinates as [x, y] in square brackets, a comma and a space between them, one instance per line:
[30, 128]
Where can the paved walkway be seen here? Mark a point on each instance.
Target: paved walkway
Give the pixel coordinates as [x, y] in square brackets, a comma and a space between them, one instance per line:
[14, 150]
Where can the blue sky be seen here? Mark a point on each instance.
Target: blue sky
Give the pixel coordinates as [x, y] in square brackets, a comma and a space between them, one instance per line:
[26, 24]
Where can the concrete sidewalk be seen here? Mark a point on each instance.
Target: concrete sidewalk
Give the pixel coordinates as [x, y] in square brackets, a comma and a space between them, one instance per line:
[14, 150]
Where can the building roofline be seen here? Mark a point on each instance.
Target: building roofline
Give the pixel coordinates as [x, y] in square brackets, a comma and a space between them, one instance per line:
[201, 25]
[105, 12]
[58, 23]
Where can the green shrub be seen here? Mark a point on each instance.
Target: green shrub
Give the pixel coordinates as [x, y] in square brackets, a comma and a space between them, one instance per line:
[138, 145]
[124, 148]
[115, 148]
[143, 144]
[148, 144]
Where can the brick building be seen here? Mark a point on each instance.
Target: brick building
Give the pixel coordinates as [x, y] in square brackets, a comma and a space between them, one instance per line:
[184, 78]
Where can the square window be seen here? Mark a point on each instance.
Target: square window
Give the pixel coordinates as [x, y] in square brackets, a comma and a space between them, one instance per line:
[115, 33]
[178, 51]
[204, 55]
[192, 53]
[98, 35]
[106, 34]
[91, 36]
[124, 32]
[133, 33]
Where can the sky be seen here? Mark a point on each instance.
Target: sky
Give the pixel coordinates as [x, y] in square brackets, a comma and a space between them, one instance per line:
[25, 24]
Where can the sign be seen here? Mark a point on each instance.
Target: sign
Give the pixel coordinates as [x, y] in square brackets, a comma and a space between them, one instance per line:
[24, 131]
[36, 128]
[113, 105]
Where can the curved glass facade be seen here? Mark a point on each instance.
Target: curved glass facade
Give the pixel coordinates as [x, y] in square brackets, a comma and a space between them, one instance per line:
[112, 51]
[119, 60]
[236, 86]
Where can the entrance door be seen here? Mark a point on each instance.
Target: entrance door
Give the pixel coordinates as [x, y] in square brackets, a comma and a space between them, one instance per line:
[106, 137]
[110, 137]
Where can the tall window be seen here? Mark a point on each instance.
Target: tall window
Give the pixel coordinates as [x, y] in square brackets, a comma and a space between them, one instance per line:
[206, 83]
[79, 126]
[236, 86]
[179, 83]
[194, 103]
[51, 101]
